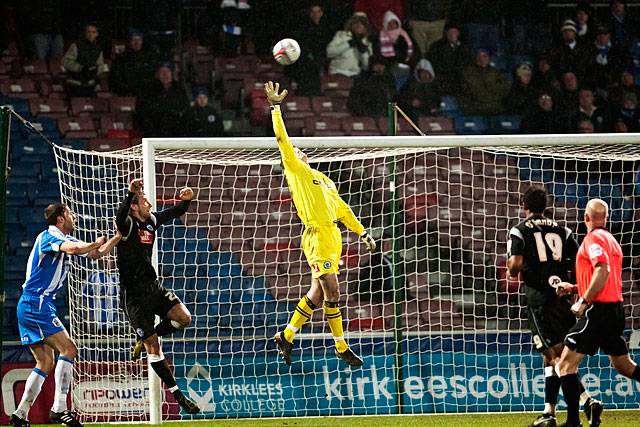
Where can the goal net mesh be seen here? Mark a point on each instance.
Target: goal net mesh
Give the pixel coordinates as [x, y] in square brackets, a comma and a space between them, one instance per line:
[460, 343]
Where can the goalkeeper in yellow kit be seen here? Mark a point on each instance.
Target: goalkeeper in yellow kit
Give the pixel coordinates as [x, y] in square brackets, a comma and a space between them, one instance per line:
[319, 207]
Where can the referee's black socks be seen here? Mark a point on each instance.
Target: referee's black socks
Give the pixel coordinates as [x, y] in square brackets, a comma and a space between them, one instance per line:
[571, 391]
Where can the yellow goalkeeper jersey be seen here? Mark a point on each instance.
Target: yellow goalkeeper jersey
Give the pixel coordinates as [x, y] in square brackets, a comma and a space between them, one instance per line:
[314, 195]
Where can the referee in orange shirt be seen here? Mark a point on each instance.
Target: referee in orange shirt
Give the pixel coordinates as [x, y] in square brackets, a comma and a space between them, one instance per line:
[599, 309]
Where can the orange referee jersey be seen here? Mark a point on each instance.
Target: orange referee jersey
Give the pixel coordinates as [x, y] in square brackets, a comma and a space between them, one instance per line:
[599, 246]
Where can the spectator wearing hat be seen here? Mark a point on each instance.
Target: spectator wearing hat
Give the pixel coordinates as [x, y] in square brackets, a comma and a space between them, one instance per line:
[625, 84]
[522, 97]
[160, 113]
[375, 10]
[372, 90]
[542, 118]
[202, 119]
[420, 96]
[426, 21]
[570, 55]
[587, 109]
[624, 28]
[485, 87]
[607, 60]
[132, 71]
[396, 47]
[350, 49]
[449, 56]
[583, 17]
[84, 64]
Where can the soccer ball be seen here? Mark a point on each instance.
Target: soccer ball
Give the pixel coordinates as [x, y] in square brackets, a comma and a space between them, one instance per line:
[286, 51]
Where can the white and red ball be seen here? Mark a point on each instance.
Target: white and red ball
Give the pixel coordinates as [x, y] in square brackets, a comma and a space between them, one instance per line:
[286, 51]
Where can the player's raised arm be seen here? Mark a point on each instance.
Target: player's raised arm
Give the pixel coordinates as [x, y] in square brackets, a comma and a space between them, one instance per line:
[287, 150]
[348, 218]
[123, 222]
[107, 247]
[186, 195]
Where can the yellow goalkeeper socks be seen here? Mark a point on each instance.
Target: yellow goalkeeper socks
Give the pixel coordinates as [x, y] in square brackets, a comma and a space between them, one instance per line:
[301, 315]
[334, 318]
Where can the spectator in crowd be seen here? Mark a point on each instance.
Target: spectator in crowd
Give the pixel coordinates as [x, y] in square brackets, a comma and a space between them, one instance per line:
[202, 119]
[132, 71]
[420, 96]
[625, 85]
[522, 96]
[159, 21]
[623, 27]
[84, 64]
[527, 26]
[567, 105]
[587, 110]
[542, 119]
[482, 20]
[544, 77]
[426, 21]
[313, 36]
[396, 46]
[584, 22]
[40, 22]
[372, 91]
[350, 49]
[375, 10]
[485, 87]
[627, 114]
[449, 56]
[585, 126]
[235, 15]
[160, 113]
[607, 60]
[570, 55]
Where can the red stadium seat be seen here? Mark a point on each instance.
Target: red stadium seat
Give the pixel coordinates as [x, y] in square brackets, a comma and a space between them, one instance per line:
[19, 88]
[122, 104]
[336, 85]
[324, 126]
[77, 127]
[106, 144]
[403, 127]
[51, 107]
[360, 126]
[329, 107]
[436, 125]
[36, 66]
[297, 107]
[85, 106]
[55, 67]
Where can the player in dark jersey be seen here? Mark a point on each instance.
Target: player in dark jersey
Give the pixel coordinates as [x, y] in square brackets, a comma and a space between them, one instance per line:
[544, 252]
[142, 297]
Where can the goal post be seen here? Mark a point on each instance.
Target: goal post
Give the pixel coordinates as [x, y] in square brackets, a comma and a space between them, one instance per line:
[439, 325]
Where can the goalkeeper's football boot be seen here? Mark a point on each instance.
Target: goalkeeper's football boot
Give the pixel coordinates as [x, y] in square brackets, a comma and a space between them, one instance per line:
[65, 417]
[568, 424]
[16, 421]
[593, 410]
[350, 357]
[284, 347]
[187, 404]
[544, 420]
[136, 351]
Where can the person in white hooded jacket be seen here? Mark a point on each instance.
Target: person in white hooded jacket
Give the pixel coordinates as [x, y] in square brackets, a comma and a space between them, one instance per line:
[350, 49]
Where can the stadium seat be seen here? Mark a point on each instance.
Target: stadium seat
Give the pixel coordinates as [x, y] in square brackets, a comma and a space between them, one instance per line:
[355, 126]
[335, 85]
[330, 107]
[77, 127]
[297, 107]
[436, 125]
[19, 105]
[449, 106]
[470, 125]
[324, 126]
[504, 124]
[81, 106]
[35, 66]
[105, 144]
[19, 88]
[122, 104]
[55, 67]
[403, 127]
[111, 123]
[48, 107]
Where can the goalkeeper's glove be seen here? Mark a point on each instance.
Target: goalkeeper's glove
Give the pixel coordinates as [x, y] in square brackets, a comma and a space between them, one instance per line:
[368, 241]
[271, 91]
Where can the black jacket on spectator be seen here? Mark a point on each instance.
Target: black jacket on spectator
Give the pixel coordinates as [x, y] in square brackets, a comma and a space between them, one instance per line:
[132, 72]
[623, 31]
[600, 118]
[204, 122]
[521, 98]
[420, 97]
[448, 62]
[370, 94]
[160, 113]
[576, 59]
[540, 121]
[606, 65]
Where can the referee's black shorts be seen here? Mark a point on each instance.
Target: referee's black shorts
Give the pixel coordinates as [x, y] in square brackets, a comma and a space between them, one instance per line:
[550, 322]
[602, 326]
[144, 303]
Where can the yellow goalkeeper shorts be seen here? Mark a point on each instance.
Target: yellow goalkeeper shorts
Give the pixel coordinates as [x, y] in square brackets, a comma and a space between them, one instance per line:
[322, 245]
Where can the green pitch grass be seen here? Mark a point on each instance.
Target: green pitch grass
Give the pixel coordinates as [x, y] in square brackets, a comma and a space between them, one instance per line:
[609, 418]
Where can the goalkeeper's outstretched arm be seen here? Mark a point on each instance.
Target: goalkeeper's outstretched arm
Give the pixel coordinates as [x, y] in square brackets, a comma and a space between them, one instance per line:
[348, 218]
[287, 151]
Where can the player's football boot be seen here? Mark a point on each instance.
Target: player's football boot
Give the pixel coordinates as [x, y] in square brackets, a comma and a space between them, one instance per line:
[350, 357]
[544, 420]
[187, 404]
[284, 347]
[568, 424]
[65, 417]
[593, 410]
[16, 421]
[136, 351]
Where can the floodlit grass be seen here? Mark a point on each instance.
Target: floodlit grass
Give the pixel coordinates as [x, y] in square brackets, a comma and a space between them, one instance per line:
[609, 418]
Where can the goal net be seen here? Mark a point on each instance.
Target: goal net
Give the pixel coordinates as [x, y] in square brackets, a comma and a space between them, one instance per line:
[440, 326]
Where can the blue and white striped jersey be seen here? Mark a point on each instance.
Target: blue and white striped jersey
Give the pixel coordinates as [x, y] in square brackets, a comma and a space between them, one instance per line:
[47, 265]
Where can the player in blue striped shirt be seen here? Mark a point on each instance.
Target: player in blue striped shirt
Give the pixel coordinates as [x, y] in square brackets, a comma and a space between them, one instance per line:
[39, 326]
